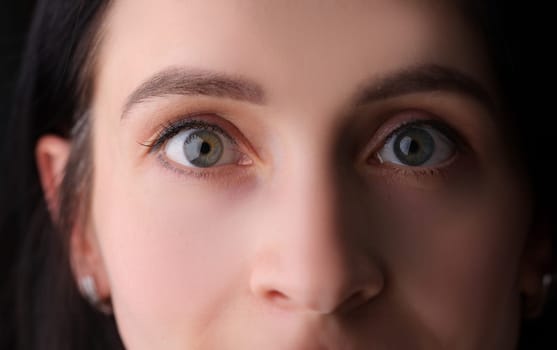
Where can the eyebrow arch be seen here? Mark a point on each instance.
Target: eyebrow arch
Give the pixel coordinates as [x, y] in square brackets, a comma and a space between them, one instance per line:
[184, 81]
[424, 78]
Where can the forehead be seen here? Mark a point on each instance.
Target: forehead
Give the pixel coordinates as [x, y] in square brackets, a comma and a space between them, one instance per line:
[288, 46]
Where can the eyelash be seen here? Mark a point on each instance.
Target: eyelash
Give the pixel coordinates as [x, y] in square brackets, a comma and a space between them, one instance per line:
[432, 123]
[420, 173]
[171, 129]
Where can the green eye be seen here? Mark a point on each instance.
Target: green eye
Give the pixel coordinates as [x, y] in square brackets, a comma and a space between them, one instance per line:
[203, 148]
[417, 145]
[198, 147]
[414, 146]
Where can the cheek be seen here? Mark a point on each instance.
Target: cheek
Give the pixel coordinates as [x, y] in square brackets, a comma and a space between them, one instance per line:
[173, 250]
[456, 253]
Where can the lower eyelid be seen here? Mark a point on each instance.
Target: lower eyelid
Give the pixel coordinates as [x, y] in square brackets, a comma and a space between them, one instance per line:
[243, 163]
[222, 178]
[422, 178]
[199, 173]
[420, 172]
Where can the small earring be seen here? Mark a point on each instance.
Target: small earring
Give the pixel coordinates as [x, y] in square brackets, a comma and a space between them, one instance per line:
[533, 305]
[88, 289]
[547, 279]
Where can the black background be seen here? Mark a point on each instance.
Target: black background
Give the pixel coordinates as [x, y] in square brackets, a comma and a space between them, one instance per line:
[14, 21]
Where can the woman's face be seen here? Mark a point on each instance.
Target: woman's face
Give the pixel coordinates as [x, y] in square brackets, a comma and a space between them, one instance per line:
[304, 175]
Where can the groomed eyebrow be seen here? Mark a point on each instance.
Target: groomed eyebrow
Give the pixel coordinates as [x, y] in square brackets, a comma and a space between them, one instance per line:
[424, 78]
[420, 78]
[183, 81]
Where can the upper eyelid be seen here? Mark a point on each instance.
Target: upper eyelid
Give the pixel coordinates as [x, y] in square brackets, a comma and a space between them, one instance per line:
[437, 125]
[171, 129]
[412, 123]
[389, 128]
[389, 135]
[399, 129]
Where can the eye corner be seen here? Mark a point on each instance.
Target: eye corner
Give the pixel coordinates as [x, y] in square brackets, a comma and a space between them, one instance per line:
[374, 158]
[151, 145]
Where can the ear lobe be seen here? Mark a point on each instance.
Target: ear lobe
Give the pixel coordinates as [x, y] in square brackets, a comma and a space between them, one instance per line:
[535, 264]
[51, 155]
[86, 261]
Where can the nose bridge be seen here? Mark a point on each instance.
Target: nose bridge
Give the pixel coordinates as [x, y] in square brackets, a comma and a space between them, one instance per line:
[316, 246]
[316, 264]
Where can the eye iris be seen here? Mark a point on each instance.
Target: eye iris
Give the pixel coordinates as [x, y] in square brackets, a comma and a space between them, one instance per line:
[203, 148]
[414, 146]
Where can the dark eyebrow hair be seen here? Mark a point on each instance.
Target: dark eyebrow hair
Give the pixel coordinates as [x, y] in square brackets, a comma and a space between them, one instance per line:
[421, 78]
[424, 78]
[183, 81]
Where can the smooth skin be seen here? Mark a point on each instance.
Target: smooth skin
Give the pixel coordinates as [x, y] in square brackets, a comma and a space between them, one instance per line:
[308, 233]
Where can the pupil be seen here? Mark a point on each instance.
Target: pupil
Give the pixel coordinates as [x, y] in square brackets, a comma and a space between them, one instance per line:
[205, 148]
[414, 147]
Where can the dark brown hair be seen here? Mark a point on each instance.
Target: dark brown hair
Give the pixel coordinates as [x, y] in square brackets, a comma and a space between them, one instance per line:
[41, 305]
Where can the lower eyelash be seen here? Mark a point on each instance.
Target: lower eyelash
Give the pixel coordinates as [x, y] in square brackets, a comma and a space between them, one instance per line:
[199, 174]
[420, 173]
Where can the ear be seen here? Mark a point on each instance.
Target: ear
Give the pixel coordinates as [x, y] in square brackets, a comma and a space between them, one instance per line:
[51, 155]
[535, 263]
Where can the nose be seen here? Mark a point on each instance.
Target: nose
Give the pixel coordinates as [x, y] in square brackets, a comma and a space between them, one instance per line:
[310, 261]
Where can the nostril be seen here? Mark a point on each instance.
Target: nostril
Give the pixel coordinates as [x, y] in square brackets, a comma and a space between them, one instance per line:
[275, 295]
[354, 301]
[277, 298]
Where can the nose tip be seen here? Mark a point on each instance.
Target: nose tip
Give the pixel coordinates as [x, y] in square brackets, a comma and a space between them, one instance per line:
[322, 292]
